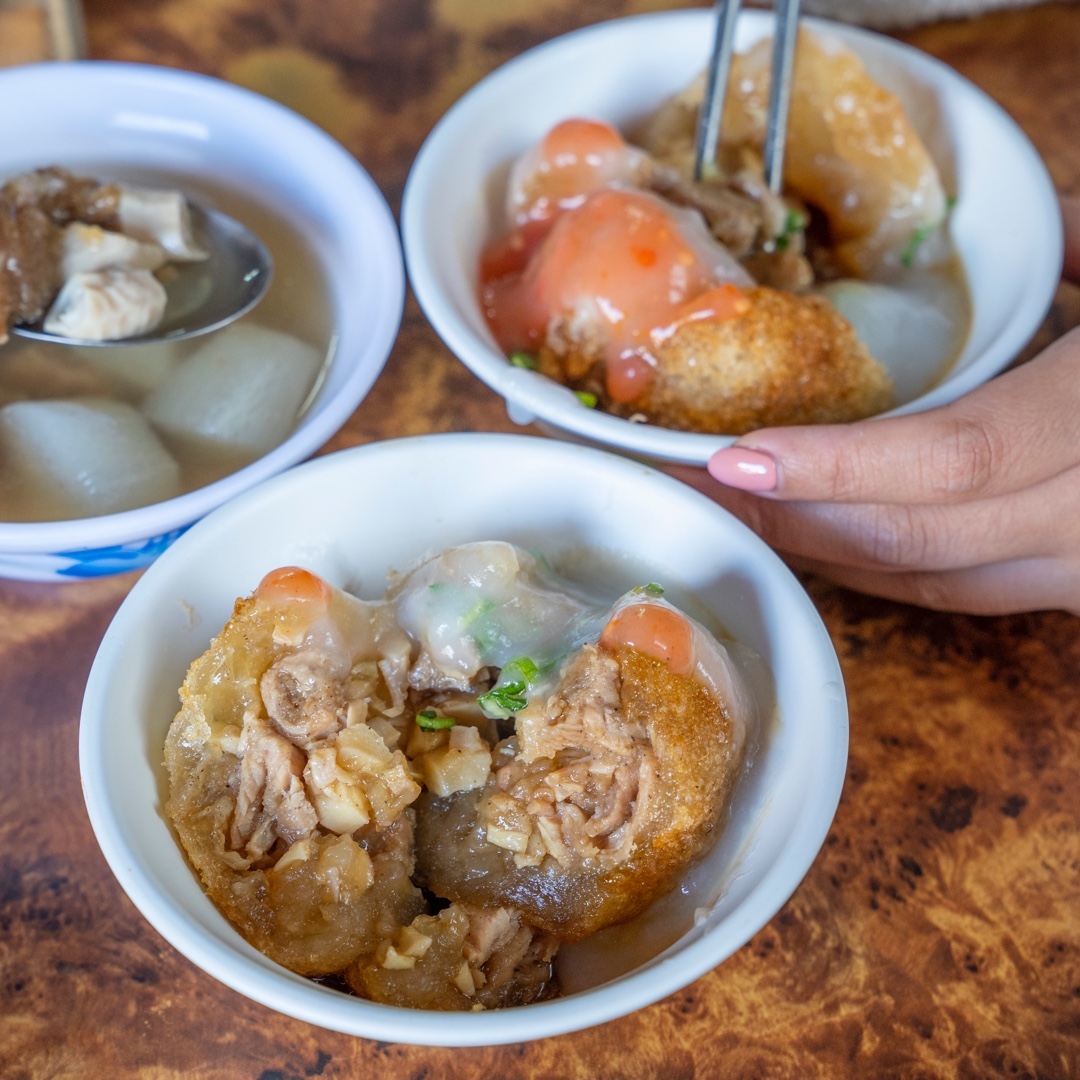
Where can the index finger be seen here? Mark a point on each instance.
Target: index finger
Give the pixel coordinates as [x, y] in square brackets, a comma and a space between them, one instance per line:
[1017, 430]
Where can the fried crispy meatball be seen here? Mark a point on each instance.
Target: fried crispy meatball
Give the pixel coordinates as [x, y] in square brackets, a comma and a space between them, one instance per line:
[612, 786]
[785, 360]
[285, 790]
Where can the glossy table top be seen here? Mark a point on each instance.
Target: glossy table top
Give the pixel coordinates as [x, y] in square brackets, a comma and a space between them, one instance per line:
[936, 935]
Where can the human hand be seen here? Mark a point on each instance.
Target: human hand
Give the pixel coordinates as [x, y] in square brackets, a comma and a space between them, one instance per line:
[971, 507]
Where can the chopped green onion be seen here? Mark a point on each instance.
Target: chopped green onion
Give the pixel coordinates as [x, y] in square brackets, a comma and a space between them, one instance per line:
[486, 638]
[430, 720]
[586, 399]
[524, 360]
[792, 224]
[915, 241]
[502, 702]
[525, 667]
[477, 611]
[652, 589]
[950, 202]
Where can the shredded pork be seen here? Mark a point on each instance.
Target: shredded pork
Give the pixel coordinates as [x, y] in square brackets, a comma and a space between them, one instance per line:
[579, 788]
[271, 802]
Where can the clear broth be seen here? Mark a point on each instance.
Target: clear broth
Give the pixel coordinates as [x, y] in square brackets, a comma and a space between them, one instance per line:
[297, 303]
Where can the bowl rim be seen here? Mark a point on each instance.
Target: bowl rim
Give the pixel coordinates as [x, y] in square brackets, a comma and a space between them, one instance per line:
[527, 400]
[366, 210]
[240, 967]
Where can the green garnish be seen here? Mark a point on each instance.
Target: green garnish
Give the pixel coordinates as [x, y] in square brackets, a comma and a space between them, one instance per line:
[477, 611]
[430, 720]
[486, 638]
[586, 399]
[525, 667]
[502, 702]
[652, 589]
[951, 201]
[911, 248]
[524, 360]
[793, 223]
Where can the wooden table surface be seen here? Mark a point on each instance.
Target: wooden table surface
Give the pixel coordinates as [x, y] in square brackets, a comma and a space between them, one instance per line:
[938, 932]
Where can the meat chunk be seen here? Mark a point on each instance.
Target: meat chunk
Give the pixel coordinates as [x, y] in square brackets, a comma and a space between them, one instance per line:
[582, 777]
[69, 235]
[107, 305]
[302, 698]
[29, 263]
[733, 218]
[271, 803]
[65, 197]
[612, 785]
[464, 958]
[788, 271]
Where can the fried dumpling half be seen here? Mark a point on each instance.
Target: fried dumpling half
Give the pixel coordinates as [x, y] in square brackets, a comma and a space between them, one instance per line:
[480, 605]
[463, 958]
[616, 779]
[287, 788]
[851, 150]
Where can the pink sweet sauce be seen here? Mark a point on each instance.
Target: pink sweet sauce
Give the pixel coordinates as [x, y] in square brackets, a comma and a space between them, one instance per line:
[612, 261]
[574, 159]
[656, 631]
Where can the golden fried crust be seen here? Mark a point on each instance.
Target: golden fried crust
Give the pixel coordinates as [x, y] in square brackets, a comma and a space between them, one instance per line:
[697, 765]
[312, 916]
[787, 360]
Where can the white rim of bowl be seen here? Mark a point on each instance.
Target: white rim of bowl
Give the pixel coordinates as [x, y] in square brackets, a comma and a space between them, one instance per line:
[523, 391]
[376, 232]
[258, 978]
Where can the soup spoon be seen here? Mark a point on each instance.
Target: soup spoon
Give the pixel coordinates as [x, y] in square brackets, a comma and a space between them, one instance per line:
[202, 296]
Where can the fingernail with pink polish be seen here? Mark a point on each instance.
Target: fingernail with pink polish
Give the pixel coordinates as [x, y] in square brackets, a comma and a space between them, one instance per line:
[740, 467]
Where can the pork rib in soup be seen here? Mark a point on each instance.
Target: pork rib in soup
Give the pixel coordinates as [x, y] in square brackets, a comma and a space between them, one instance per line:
[92, 259]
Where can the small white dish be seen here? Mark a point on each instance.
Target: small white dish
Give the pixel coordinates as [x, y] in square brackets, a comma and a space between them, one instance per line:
[1006, 224]
[352, 517]
[105, 117]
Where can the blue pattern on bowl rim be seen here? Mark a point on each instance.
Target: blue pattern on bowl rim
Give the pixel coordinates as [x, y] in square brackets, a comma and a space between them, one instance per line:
[99, 562]
[84, 563]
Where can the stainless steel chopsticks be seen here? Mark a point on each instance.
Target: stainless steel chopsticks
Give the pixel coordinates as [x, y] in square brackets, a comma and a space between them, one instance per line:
[716, 81]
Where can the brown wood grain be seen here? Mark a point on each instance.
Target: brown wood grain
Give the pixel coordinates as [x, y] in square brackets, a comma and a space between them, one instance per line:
[937, 934]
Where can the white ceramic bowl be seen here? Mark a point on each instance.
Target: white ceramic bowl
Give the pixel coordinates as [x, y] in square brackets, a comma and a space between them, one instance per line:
[354, 515]
[1006, 224]
[129, 118]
